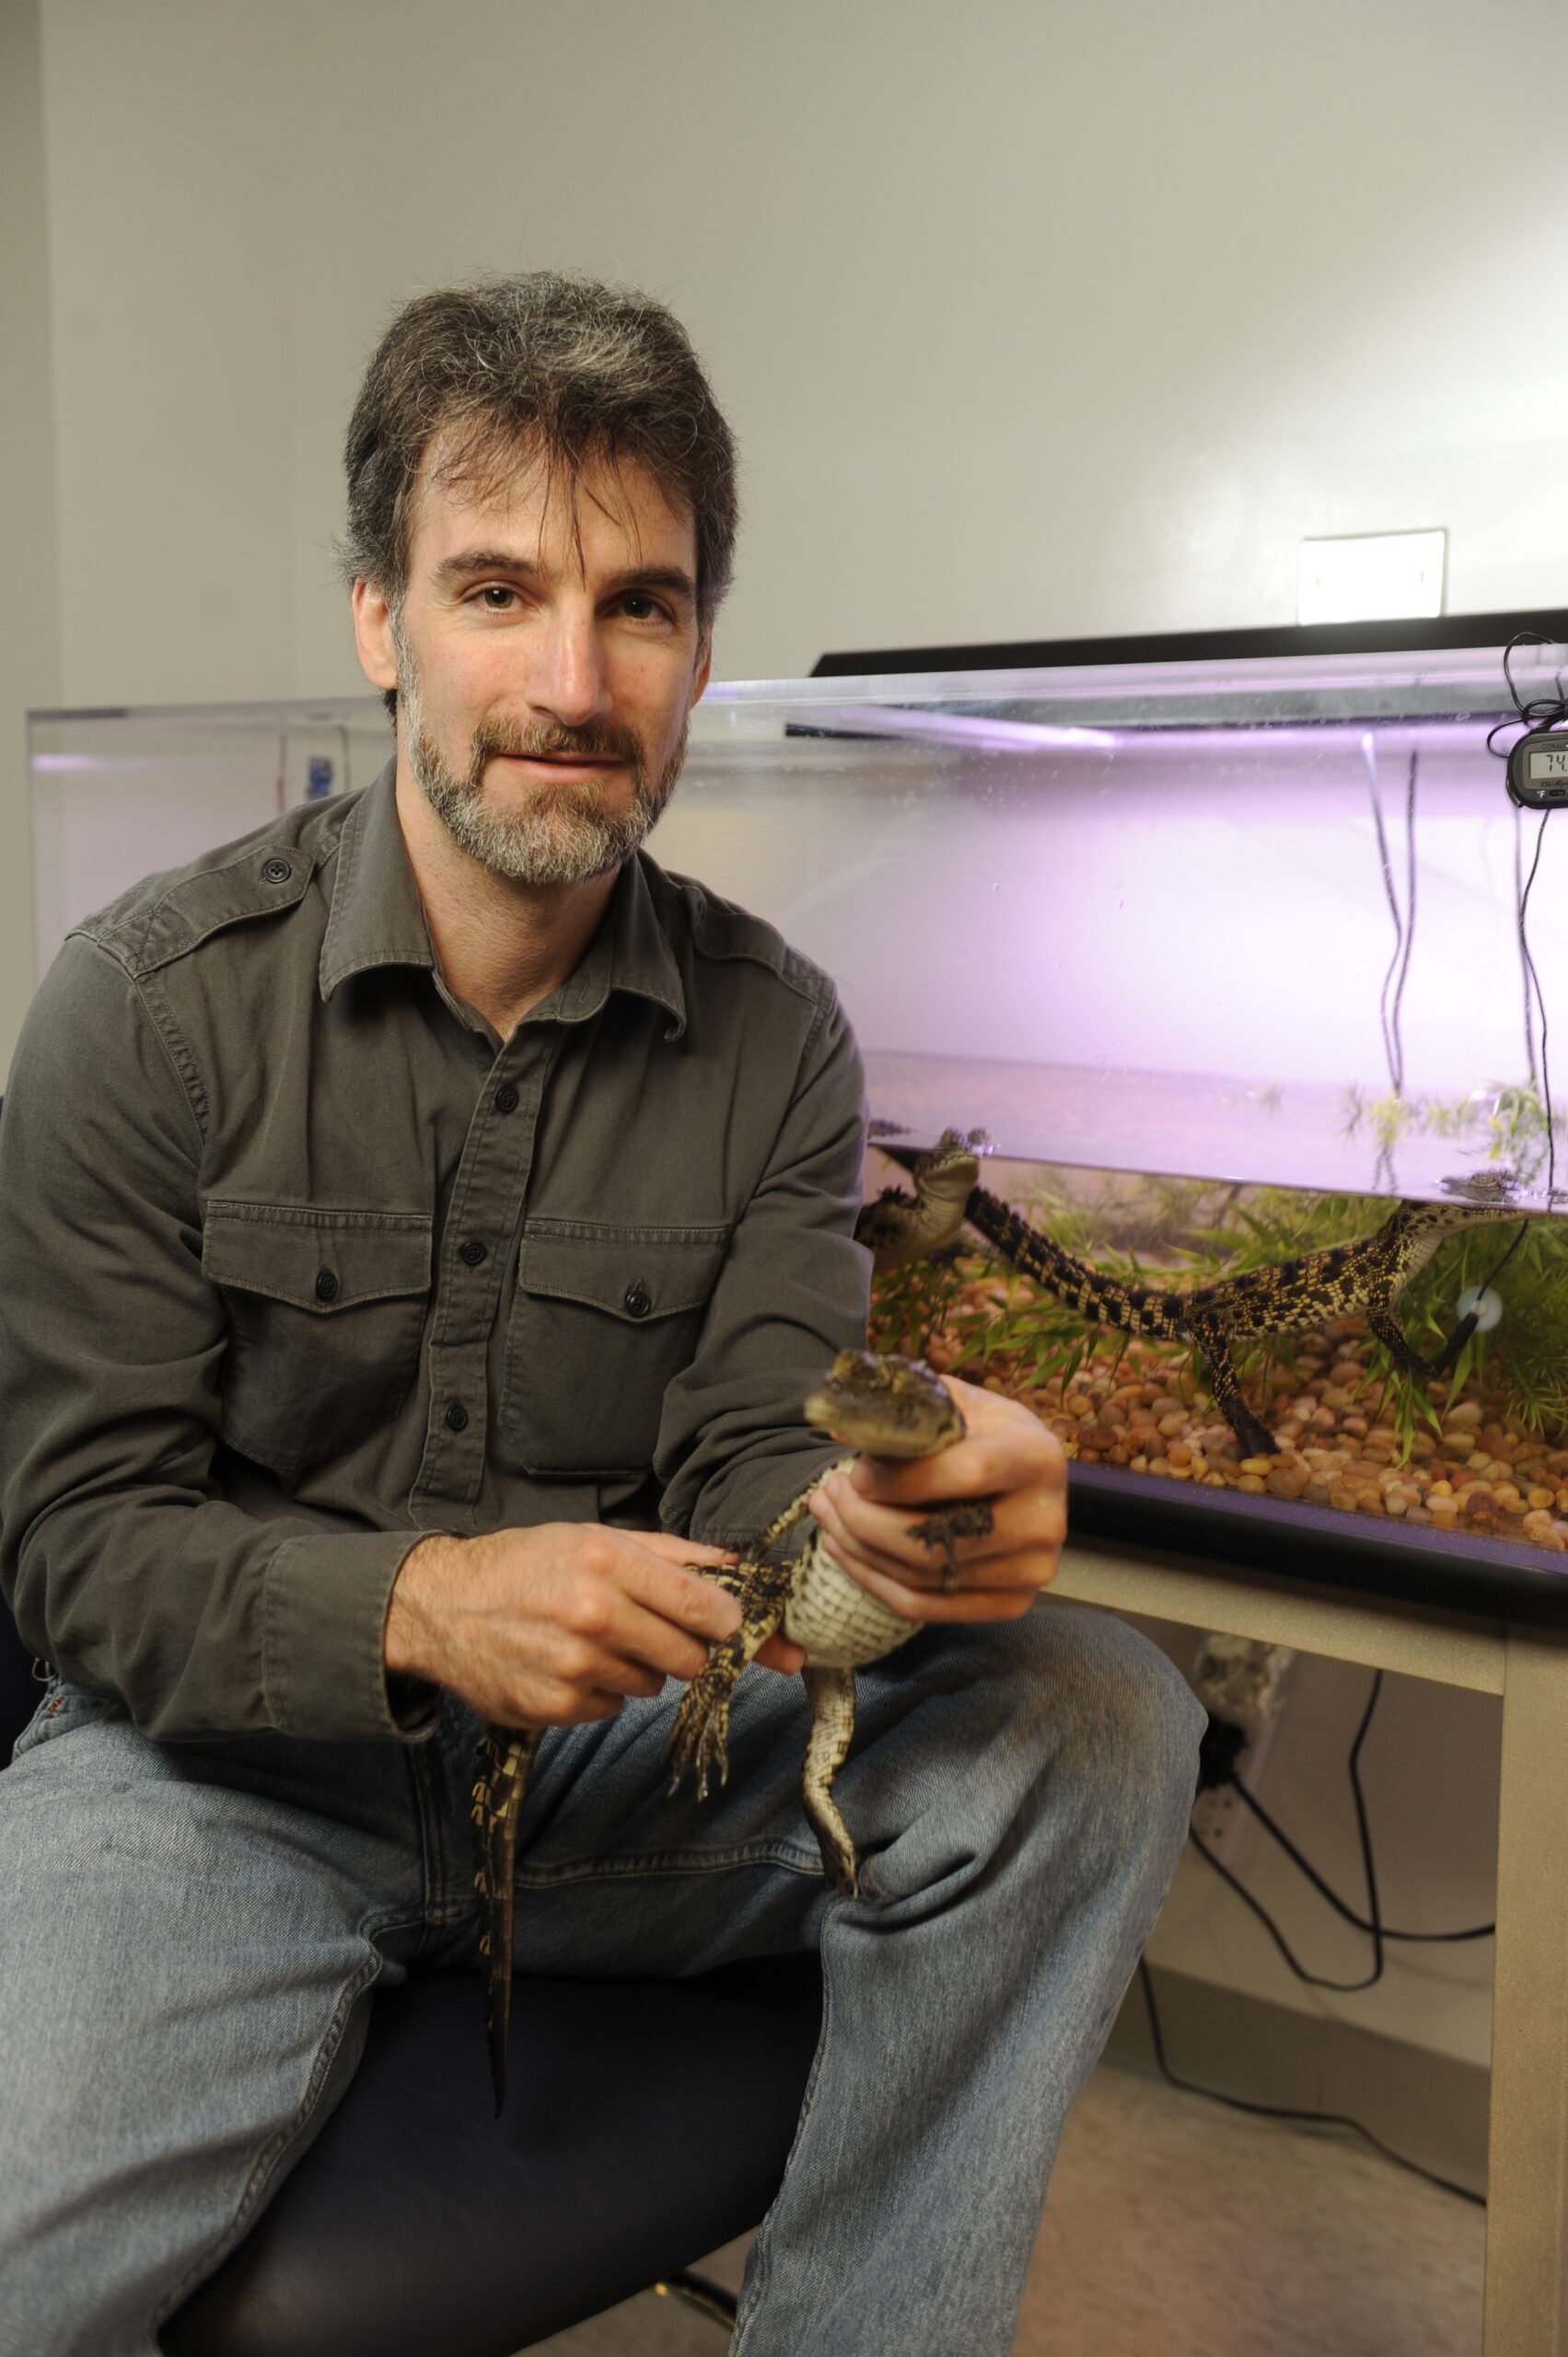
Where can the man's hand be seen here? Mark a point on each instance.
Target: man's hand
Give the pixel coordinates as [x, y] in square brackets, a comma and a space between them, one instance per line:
[557, 1624]
[1006, 1453]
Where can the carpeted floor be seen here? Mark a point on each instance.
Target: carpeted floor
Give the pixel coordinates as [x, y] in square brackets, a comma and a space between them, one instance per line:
[1177, 2229]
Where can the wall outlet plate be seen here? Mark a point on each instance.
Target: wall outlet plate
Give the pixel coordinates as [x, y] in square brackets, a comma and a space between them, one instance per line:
[1241, 1680]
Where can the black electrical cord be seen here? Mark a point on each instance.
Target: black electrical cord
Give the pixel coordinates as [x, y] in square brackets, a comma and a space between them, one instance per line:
[1538, 712]
[1532, 987]
[1278, 1833]
[1392, 1050]
[1285, 2111]
[1524, 958]
[1368, 1868]
[1313, 1979]
[1390, 1010]
[1396, 1017]
[1391, 1015]
[1218, 1768]
[1540, 1005]
[1541, 711]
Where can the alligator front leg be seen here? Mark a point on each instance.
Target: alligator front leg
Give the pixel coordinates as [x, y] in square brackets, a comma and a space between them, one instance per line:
[503, 1758]
[832, 1696]
[699, 1738]
[1253, 1438]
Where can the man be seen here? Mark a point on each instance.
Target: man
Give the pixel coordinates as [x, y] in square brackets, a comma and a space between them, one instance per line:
[422, 1223]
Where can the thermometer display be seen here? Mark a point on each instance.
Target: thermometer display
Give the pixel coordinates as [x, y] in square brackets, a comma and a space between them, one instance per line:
[1538, 771]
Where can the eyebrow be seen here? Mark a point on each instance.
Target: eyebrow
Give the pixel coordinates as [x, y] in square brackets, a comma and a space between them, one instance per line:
[469, 564]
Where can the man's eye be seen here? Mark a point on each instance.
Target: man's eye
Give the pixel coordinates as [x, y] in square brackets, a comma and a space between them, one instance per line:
[495, 597]
[642, 608]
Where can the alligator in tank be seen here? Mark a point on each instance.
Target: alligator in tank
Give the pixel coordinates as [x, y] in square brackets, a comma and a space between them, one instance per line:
[1405, 1361]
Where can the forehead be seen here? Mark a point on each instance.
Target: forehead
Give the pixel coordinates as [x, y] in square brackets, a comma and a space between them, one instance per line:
[607, 510]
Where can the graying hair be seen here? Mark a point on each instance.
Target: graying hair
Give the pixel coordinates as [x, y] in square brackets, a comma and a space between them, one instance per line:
[546, 363]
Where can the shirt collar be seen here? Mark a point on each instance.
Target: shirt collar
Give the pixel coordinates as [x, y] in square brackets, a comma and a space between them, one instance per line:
[376, 920]
[630, 952]
[376, 917]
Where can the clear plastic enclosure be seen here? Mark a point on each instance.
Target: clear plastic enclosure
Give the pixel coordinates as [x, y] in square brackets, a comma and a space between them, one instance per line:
[1223, 959]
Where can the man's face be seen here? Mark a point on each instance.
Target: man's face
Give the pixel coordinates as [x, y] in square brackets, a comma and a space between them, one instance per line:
[546, 657]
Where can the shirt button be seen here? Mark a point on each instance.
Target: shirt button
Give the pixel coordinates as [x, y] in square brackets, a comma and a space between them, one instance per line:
[456, 1417]
[471, 1253]
[638, 1302]
[277, 871]
[326, 1285]
[506, 1099]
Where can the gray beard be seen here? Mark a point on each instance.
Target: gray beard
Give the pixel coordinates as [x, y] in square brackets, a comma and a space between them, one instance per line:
[565, 835]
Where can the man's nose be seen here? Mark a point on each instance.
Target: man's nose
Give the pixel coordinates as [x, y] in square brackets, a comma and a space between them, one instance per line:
[567, 675]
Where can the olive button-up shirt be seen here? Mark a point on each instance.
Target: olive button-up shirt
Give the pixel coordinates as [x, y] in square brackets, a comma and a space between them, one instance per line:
[298, 1262]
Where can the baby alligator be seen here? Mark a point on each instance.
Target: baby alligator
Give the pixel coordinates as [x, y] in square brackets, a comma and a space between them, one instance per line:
[881, 1407]
[1364, 1279]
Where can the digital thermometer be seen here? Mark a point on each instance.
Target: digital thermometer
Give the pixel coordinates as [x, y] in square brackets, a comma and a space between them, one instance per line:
[1538, 771]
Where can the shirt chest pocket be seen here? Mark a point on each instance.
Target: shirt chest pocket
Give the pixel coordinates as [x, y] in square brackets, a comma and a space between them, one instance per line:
[326, 1309]
[603, 1320]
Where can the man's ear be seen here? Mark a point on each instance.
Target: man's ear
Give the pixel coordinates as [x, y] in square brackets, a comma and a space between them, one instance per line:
[704, 666]
[372, 634]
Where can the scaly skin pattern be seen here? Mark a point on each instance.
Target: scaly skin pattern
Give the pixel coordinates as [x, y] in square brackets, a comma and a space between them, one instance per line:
[883, 1406]
[1363, 1280]
[503, 1761]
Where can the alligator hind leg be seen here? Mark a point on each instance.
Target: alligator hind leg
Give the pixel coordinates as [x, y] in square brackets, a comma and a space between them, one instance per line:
[503, 1760]
[1253, 1437]
[832, 1696]
[1391, 1334]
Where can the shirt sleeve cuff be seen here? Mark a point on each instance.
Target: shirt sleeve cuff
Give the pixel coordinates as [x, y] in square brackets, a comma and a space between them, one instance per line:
[323, 1619]
[760, 1492]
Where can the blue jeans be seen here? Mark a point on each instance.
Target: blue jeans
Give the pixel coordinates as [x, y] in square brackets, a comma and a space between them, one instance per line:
[188, 1936]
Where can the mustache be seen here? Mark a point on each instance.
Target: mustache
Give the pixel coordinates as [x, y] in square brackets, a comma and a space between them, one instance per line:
[598, 741]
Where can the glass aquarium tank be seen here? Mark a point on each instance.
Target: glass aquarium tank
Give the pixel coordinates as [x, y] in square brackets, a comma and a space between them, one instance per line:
[1213, 965]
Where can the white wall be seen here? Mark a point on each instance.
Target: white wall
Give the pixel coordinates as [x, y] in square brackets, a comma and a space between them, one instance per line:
[1033, 320]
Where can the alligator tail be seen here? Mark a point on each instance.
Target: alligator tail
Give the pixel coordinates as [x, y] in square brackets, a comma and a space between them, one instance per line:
[1101, 1299]
[503, 1760]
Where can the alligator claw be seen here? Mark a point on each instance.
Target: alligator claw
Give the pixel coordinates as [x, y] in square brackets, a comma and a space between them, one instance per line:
[699, 1738]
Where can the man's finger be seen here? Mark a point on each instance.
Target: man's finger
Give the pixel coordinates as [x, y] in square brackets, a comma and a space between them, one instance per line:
[672, 1549]
[921, 1604]
[691, 1602]
[984, 1464]
[632, 1641]
[778, 1652]
[1023, 1523]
